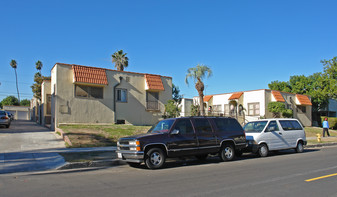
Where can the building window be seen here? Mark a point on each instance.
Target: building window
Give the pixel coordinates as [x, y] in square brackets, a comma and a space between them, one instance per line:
[302, 109]
[88, 91]
[253, 109]
[121, 95]
[152, 99]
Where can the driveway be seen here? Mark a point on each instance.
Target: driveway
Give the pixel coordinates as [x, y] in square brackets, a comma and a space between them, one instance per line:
[26, 146]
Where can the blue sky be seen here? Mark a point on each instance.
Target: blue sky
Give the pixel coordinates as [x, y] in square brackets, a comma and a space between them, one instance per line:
[246, 43]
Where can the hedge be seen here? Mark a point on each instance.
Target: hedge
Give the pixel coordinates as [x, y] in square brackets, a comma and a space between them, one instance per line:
[332, 121]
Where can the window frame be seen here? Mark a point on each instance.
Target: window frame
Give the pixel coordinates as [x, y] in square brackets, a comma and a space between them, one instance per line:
[254, 109]
[88, 90]
[126, 95]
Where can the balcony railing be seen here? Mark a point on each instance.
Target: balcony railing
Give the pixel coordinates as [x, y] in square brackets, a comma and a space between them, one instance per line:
[152, 105]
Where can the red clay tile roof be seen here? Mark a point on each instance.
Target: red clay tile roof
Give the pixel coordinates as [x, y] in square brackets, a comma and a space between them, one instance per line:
[92, 75]
[303, 99]
[278, 96]
[154, 82]
[207, 98]
[236, 96]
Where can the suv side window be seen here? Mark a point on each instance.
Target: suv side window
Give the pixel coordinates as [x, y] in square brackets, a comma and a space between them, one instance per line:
[272, 126]
[202, 125]
[227, 124]
[184, 126]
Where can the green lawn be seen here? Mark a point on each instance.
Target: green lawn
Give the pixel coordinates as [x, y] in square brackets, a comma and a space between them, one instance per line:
[100, 135]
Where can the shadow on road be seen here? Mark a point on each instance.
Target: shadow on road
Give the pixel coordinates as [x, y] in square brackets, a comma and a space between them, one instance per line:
[192, 161]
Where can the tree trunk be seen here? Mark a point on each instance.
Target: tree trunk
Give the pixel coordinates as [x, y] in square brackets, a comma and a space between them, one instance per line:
[17, 87]
[200, 88]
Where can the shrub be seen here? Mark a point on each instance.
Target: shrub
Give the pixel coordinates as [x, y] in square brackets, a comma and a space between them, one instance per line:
[332, 121]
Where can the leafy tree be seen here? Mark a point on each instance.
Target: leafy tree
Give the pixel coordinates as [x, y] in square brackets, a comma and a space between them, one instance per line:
[319, 86]
[39, 66]
[120, 60]
[175, 94]
[14, 65]
[195, 110]
[197, 74]
[280, 86]
[171, 109]
[36, 87]
[10, 100]
[278, 109]
[25, 102]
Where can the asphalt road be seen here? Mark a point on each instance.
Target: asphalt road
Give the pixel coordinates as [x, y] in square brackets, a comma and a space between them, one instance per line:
[281, 174]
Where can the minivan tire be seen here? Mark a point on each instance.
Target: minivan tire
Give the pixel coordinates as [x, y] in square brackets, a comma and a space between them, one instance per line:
[155, 158]
[263, 150]
[227, 152]
[299, 148]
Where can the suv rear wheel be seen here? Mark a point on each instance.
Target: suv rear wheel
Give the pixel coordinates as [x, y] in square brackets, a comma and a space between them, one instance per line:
[227, 152]
[155, 158]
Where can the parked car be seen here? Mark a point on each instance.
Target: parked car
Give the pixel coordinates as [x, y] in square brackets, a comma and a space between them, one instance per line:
[10, 115]
[178, 137]
[4, 119]
[274, 134]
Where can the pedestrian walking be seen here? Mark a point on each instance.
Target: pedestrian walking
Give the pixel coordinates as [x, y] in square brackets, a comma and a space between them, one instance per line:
[326, 127]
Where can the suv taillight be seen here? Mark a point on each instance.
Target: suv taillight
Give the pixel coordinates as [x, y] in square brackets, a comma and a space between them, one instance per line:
[5, 117]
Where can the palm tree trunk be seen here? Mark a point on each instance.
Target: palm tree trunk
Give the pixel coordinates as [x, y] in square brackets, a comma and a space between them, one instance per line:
[200, 88]
[17, 87]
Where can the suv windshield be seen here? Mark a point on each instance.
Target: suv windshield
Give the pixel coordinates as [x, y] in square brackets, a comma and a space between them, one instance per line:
[162, 126]
[255, 127]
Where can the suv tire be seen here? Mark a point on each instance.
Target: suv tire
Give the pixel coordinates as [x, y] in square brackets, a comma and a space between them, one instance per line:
[227, 152]
[155, 158]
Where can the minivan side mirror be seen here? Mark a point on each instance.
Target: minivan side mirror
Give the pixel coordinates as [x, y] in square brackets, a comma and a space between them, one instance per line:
[271, 129]
[175, 132]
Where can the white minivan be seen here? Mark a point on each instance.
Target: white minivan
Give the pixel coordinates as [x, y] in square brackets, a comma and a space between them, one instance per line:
[274, 134]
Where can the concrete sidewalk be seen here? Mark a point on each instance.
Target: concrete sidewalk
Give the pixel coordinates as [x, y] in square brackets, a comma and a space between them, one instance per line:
[26, 146]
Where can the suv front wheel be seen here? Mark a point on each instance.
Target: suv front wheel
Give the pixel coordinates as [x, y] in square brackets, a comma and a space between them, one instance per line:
[227, 152]
[155, 158]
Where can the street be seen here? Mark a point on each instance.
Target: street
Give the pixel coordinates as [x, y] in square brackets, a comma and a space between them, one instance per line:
[281, 174]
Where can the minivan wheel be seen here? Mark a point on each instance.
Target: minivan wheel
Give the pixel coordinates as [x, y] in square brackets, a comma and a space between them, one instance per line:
[299, 148]
[155, 158]
[227, 152]
[263, 150]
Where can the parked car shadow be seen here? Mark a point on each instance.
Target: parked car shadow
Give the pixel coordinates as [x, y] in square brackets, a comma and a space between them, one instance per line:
[192, 161]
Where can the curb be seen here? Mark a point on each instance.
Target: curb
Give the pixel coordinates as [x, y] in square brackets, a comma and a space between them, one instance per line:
[64, 136]
[321, 145]
[101, 163]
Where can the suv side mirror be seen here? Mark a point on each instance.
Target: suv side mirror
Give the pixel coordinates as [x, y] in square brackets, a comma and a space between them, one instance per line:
[175, 132]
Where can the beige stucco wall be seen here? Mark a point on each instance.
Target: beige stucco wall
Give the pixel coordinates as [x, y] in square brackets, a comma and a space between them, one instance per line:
[45, 89]
[134, 110]
[71, 109]
[257, 96]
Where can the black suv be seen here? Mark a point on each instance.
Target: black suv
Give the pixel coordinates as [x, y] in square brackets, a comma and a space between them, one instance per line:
[188, 136]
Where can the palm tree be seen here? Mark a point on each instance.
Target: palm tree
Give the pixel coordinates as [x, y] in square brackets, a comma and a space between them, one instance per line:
[120, 60]
[197, 74]
[39, 66]
[14, 65]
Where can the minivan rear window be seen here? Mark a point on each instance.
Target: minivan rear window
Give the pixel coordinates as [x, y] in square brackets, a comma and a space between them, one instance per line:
[290, 125]
[2, 113]
[227, 124]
